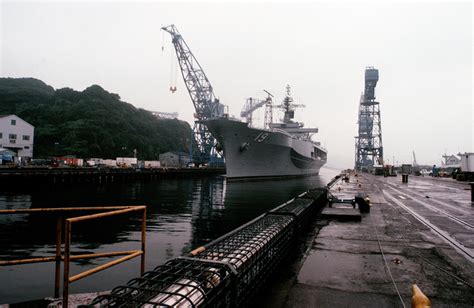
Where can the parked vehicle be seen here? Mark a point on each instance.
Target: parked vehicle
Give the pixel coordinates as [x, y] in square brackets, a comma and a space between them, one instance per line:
[424, 172]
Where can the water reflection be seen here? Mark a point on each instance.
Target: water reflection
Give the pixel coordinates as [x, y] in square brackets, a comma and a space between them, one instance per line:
[181, 214]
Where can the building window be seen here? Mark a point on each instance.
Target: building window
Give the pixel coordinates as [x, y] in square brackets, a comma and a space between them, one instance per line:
[12, 136]
[1, 135]
[13, 122]
[27, 147]
[26, 137]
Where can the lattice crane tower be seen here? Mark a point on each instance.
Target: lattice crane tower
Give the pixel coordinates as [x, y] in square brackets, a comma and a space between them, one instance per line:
[368, 145]
[202, 95]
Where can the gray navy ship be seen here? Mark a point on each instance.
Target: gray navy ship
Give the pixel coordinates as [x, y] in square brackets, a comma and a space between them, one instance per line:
[283, 150]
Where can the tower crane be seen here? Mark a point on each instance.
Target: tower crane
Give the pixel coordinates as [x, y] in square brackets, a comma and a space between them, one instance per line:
[202, 95]
[368, 147]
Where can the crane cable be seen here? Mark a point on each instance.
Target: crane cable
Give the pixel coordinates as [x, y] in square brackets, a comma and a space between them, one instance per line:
[173, 72]
[162, 41]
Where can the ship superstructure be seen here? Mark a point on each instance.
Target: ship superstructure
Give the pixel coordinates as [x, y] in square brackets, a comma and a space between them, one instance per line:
[296, 129]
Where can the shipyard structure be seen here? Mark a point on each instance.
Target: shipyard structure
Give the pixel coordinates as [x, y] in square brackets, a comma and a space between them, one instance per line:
[368, 143]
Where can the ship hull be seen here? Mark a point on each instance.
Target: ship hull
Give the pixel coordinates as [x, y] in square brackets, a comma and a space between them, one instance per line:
[251, 152]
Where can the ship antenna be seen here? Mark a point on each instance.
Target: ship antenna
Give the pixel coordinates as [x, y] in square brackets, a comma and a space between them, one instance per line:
[288, 99]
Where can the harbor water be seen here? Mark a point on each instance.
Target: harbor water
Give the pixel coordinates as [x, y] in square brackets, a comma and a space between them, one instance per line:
[181, 214]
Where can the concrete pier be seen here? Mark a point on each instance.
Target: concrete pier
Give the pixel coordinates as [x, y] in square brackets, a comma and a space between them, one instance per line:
[419, 232]
[98, 175]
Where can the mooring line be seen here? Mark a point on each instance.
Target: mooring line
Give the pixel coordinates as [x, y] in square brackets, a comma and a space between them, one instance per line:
[386, 263]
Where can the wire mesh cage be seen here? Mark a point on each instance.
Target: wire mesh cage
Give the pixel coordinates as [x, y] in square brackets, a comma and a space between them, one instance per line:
[228, 271]
[181, 282]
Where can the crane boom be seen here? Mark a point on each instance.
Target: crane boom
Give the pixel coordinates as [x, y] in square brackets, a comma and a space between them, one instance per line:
[200, 90]
[251, 105]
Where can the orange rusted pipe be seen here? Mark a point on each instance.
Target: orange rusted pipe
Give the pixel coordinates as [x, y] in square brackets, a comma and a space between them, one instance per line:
[67, 253]
[104, 266]
[106, 214]
[27, 261]
[102, 255]
[65, 209]
[142, 261]
[67, 258]
[57, 271]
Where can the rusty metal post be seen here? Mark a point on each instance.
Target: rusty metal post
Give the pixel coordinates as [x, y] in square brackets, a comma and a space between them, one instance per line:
[142, 265]
[67, 252]
[57, 274]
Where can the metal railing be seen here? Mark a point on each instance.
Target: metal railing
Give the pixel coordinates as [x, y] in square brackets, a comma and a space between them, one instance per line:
[66, 257]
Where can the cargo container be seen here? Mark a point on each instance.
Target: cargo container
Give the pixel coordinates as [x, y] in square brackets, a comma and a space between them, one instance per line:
[467, 162]
[108, 163]
[152, 164]
[126, 161]
[466, 172]
[70, 161]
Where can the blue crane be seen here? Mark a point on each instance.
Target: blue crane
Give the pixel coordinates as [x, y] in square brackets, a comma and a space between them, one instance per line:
[202, 95]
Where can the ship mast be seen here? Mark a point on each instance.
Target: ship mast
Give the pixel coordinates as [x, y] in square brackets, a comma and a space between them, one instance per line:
[288, 106]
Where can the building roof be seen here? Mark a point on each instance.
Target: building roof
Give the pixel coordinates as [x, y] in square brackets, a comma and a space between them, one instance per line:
[14, 115]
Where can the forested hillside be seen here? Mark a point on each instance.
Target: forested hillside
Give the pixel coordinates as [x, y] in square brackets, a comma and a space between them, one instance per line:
[91, 123]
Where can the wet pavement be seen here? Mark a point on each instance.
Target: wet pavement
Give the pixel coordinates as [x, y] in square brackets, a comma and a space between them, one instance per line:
[416, 233]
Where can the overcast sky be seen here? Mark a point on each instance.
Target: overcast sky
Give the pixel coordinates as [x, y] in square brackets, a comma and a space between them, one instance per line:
[423, 52]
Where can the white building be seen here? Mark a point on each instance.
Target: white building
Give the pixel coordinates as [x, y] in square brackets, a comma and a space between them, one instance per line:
[17, 135]
[174, 159]
[467, 162]
[451, 161]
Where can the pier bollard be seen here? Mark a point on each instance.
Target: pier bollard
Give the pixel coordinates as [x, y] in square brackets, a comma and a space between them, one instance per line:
[363, 203]
[404, 178]
[418, 299]
[472, 193]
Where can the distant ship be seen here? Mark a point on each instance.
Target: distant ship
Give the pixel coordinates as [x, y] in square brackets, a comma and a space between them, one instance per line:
[283, 150]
